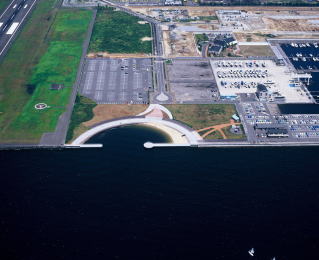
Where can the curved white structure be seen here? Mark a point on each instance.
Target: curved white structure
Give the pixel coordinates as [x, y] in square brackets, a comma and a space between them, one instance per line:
[192, 136]
[151, 107]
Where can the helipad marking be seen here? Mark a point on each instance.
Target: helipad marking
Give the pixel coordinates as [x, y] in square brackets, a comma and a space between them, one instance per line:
[12, 28]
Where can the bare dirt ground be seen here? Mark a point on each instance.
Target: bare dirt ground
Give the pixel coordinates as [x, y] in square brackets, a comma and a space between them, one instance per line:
[218, 128]
[146, 39]
[167, 44]
[255, 50]
[260, 37]
[202, 10]
[250, 37]
[300, 25]
[108, 112]
[180, 44]
[117, 55]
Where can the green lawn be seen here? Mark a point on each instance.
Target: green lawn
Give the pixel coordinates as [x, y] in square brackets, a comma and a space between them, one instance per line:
[61, 52]
[201, 116]
[230, 135]
[4, 4]
[82, 112]
[118, 32]
[16, 68]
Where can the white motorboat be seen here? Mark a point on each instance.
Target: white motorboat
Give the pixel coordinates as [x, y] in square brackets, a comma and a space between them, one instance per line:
[251, 252]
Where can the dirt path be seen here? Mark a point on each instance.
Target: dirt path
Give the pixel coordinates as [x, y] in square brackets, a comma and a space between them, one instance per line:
[218, 128]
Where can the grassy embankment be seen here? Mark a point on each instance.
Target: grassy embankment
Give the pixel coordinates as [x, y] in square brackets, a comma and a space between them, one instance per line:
[202, 116]
[54, 44]
[82, 111]
[96, 114]
[118, 32]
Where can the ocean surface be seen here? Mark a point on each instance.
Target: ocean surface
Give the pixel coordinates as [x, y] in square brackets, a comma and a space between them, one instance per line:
[126, 202]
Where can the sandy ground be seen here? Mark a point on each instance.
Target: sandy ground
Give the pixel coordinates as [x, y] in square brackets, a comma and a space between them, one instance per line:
[183, 44]
[167, 44]
[107, 112]
[300, 25]
[255, 50]
[244, 37]
[146, 39]
[175, 136]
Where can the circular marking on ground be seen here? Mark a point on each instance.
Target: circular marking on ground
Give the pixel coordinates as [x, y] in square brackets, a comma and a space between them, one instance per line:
[41, 106]
[162, 97]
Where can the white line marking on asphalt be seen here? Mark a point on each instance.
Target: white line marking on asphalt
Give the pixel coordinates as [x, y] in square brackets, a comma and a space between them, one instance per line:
[14, 6]
[1, 24]
[4, 48]
[25, 6]
[12, 29]
[7, 9]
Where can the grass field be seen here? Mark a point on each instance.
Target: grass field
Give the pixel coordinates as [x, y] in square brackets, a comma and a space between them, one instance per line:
[82, 112]
[230, 135]
[201, 116]
[54, 45]
[4, 4]
[118, 32]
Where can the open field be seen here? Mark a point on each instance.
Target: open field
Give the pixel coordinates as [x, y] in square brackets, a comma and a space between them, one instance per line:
[214, 135]
[59, 63]
[252, 37]
[17, 66]
[290, 25]
[3, 4]
[230, 135]
[255, 50]
[118, 32]
[108, 112]
[201, 116]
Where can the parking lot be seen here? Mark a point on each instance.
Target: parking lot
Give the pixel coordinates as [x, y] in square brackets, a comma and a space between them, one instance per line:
[117, 81]
[192, 81]
[258, 119]
[237, 77]
[303, 127]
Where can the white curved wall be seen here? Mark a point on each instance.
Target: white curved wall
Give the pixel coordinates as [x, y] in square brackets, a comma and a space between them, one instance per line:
[192, 136]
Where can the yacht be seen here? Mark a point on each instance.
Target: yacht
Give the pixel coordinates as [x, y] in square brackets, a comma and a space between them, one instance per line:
[251, 252]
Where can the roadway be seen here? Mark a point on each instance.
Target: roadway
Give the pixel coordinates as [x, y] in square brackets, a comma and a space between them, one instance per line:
[11, 21]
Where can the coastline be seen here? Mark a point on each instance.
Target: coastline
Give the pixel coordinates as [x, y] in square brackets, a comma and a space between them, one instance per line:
[174, 136]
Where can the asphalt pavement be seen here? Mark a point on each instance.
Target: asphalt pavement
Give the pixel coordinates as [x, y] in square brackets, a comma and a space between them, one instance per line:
[11, 20]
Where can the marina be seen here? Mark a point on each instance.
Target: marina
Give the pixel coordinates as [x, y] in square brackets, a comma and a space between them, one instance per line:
[304, 56]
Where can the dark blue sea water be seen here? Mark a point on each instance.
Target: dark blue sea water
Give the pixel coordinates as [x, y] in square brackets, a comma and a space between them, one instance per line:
[125, 202]
[308, 53]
